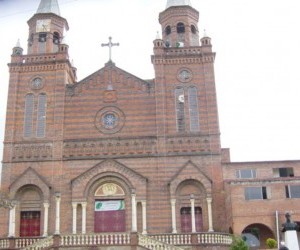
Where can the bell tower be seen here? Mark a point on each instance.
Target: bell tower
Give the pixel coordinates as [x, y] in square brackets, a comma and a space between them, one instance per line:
[185, 92]
[46, 28]
[37, 84]
[184, 76]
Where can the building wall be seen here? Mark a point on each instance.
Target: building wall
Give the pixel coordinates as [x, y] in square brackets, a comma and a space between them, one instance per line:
[261, 211]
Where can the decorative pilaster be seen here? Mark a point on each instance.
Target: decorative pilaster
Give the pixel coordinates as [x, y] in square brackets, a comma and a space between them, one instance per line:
[12, 221]
[57, 213]
[83, 205]
[192, 200]
[46, 218]
[173, 207]
[144, 212]
[210, 219]
[133, 213]
[74, 224]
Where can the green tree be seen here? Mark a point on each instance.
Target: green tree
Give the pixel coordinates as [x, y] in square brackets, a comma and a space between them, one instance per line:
[239, 244]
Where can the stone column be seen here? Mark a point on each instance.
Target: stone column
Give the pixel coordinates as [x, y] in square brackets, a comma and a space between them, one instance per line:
[133, 213]
[74, 224]
[173, 207]
[12, 222]
[46, 218]
[144, 212]
[210, 219]
[57, 213]
[192, 199]
[83, 205]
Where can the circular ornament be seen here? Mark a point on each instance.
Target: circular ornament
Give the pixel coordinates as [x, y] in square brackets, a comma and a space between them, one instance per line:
[109, 120]
[185, 75]
[37, 83]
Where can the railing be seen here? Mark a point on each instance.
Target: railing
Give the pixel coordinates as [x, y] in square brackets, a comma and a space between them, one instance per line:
[153, 244]
[41, 244]
[4, 243]
[95, 239]
[214, 238]
[24, 242]
[174, 239]
[198, 238]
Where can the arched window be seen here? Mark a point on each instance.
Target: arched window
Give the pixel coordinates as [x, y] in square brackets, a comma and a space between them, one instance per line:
[56, 38]
[193, 109]
[28, 115]
[41, 115]
[42, 37]
[180, 115]
[193, 29]
[168, 30]
[30, 40]
[180, 28]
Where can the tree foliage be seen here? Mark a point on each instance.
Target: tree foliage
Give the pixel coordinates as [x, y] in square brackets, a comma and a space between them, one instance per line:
[239, 244]
[271, 243]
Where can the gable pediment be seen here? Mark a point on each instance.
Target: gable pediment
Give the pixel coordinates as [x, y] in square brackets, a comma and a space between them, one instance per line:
[30, 177]
[112, 169]
[110, 77]
[190, 171]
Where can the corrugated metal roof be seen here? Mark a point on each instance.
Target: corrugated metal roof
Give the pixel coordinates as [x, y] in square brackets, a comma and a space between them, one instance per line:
[49, 6]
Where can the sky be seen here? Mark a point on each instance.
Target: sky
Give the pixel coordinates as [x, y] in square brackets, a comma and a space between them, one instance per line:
[257, 65]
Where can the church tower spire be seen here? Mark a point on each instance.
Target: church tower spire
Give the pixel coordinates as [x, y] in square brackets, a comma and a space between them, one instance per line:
[49, 6]
[171, 3]
[46, 28]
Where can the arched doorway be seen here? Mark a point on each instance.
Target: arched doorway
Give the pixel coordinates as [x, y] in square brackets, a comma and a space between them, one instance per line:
[110, 208]
[257, 234]
[191, 196]
[30, 204]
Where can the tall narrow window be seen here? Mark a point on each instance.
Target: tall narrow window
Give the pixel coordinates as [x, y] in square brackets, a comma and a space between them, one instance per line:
[168, 30]
[180, 115]
[28, 115]
[41, 115]
[180, 28]
[56, 38]
[193, 108]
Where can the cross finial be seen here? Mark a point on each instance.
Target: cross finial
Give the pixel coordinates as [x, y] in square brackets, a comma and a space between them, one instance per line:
[110, 44]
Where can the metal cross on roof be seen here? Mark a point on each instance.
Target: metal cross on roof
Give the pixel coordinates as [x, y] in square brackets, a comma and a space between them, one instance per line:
[110, 45]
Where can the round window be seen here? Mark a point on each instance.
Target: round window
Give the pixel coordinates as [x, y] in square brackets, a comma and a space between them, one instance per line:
[109, 120]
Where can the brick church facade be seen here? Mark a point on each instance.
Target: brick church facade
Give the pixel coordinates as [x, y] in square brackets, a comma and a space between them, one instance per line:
[117, 160]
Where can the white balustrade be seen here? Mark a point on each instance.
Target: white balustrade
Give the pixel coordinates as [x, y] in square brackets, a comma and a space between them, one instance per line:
[24, 242]
[41, 244]
[95, 239]
[4, 243]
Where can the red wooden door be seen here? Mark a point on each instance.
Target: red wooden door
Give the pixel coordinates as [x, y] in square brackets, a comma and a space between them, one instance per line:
[198, 219]
[186, 219]
[30, 224]
[110, 217]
